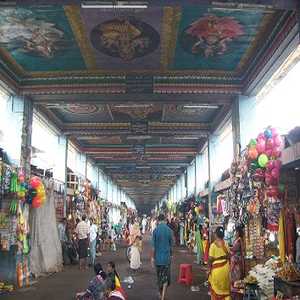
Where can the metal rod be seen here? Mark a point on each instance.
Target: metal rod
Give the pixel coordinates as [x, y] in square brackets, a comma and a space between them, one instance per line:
[66, 176]
[209, 187]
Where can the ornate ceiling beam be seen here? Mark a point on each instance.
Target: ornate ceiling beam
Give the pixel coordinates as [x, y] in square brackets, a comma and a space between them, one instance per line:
[104, 98]
[279, 4]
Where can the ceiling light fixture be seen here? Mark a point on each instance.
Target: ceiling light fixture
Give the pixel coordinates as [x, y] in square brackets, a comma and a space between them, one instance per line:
[114, 4]
[132, 105]
[139, 137]
[143, 167]
[186, 138]
[195, 106]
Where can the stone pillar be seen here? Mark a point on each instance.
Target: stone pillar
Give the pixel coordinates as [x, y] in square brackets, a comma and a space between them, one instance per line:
[25, 158]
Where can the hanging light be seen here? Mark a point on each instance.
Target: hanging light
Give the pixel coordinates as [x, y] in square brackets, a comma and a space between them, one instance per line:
[115, 4]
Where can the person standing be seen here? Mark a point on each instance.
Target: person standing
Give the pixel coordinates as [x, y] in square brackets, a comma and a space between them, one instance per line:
[62, 233]
[219, 267]
[162, 242]
[144, 225]
[237, 261]
[83, 232]
[93, 241]
[199, 244]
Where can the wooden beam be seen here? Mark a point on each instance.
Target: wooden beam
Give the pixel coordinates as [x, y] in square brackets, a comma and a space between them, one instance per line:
[102, 98]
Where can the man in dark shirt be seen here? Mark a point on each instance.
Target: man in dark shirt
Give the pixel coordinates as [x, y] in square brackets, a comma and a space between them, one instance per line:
[162, 242]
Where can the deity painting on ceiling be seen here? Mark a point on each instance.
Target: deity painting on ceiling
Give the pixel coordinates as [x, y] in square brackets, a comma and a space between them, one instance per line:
[125, 38]
[210, 35]
[39, 38]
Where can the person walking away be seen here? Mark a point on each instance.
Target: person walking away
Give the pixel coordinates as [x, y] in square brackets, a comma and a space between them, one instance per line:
[113, 236]
[162, 242]
[135, 254]
[93, 241]
[199, 244]
[237, 261]
[83, 232]
[153, 225]
[98, 286]
[144, 225]
[218, 267]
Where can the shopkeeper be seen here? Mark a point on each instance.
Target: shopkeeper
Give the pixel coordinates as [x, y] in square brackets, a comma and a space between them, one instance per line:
[83, 231]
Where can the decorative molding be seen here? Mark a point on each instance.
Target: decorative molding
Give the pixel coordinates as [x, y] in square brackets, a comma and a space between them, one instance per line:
[171, 18]
[73, 14]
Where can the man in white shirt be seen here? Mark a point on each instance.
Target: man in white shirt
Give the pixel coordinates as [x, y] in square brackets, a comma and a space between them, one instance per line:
[93, 241]
[83, 232]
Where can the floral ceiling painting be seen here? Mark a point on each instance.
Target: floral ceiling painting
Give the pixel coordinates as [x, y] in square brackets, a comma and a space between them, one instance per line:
[214, 39]
[39, 39]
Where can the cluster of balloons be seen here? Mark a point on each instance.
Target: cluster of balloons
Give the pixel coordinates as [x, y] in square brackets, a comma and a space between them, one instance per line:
[36, 194]
[264, 153]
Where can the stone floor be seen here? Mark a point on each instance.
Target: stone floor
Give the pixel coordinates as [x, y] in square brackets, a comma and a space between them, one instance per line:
[64, 285]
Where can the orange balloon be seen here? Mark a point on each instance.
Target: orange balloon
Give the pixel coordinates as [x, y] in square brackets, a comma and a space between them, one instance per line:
[252, 153]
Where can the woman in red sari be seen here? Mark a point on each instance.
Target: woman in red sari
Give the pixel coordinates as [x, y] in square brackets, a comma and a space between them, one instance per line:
[237, 262]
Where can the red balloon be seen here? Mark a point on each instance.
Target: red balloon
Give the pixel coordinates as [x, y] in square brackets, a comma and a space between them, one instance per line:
[276, 153]
[261, 136]
[261, 146]
[268, 152]
[35, 182]
[270, 143]
[270, 165]
[275, 173]
[36, 202]
[277, 163]
[278, 140]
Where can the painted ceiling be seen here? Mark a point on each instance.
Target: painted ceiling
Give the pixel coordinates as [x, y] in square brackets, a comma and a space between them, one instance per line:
[36, 40]
[143, 147]
[139, 90]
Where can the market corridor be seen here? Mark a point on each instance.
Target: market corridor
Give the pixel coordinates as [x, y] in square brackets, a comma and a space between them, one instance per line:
[64, 285]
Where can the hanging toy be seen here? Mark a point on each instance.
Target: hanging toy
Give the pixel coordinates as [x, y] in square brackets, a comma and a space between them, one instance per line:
[36, 192]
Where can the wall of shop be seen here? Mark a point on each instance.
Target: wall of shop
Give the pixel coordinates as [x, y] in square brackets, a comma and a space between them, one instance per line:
[11, 120]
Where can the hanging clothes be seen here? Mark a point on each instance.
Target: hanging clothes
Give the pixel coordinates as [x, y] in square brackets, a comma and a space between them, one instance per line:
[199, 246]
[290, 233]
[281, 237]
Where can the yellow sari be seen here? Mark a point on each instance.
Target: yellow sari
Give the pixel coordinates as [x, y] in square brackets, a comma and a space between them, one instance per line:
[219, 277]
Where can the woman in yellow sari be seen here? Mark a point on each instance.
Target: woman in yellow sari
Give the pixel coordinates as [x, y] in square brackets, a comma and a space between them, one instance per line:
[219, 268]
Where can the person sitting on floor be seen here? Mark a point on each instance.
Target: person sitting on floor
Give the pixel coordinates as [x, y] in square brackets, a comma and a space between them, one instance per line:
[115, 280]
[98, 286]
[113, 275]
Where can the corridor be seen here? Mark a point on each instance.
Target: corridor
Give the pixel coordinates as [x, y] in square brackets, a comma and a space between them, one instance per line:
[64, 285]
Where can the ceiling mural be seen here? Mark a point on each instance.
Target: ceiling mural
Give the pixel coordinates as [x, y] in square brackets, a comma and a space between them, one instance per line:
[124, 40]
[39, 39]
[214, 39]
[42, 42]
[193, 113]
[151, 112]
[80, 112]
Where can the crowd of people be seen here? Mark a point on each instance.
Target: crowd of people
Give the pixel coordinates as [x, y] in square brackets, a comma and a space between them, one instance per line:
[225, 264]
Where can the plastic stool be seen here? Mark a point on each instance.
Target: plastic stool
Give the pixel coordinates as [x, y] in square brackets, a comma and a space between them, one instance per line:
[185, 274]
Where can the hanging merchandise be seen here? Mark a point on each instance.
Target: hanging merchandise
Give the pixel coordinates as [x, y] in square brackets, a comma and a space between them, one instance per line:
[36, 193]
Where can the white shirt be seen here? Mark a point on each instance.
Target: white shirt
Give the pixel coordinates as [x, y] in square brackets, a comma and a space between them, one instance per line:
[82, 230]
[93, 232]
